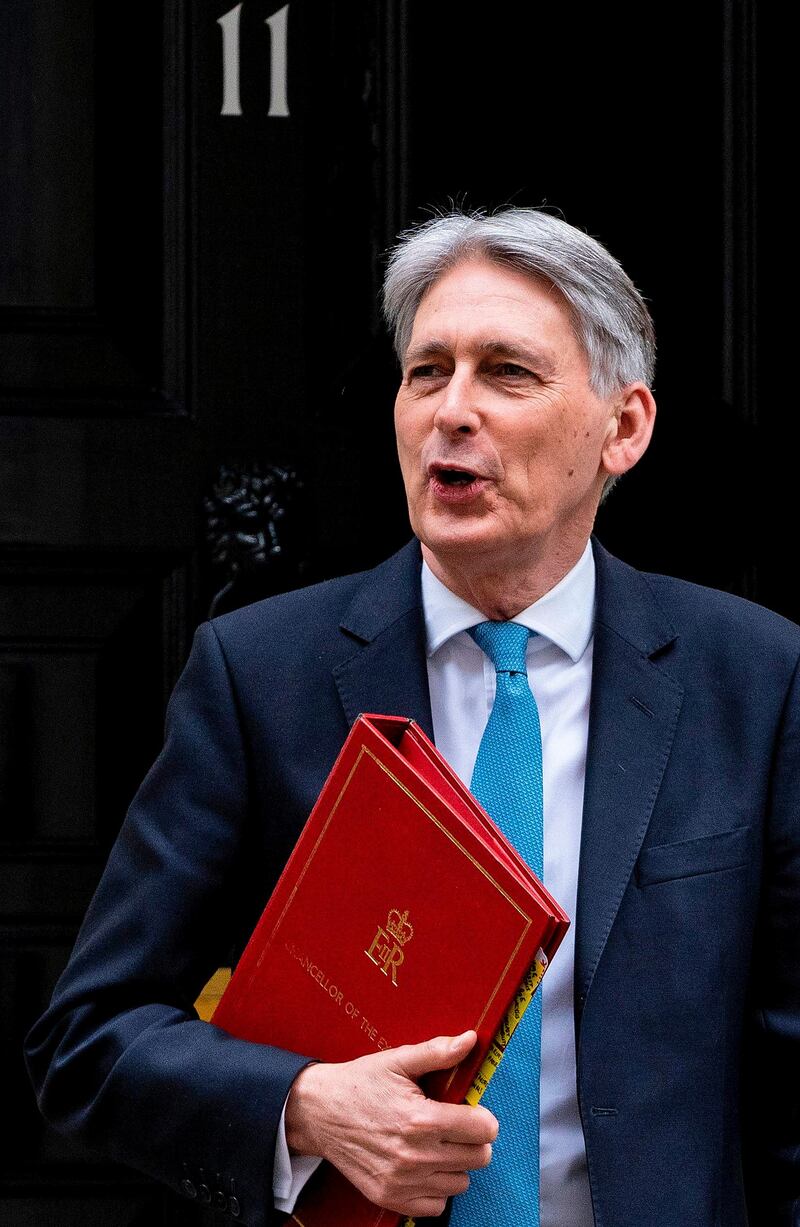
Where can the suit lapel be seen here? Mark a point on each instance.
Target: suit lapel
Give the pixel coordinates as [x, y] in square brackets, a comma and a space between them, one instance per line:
[387, 671]
[633, 715]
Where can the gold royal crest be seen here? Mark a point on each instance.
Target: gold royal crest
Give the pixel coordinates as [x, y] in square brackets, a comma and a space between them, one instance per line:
[386, 949]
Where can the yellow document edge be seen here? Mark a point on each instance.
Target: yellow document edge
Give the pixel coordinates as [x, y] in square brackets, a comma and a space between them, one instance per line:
[494, 1055]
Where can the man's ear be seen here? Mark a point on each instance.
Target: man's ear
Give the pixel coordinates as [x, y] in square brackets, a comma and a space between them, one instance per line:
[629, 430]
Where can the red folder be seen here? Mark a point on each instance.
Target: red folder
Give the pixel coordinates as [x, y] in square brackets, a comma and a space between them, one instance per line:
[402, 913]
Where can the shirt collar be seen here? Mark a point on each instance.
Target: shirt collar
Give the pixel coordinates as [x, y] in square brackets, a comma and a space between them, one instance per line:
[564, 615]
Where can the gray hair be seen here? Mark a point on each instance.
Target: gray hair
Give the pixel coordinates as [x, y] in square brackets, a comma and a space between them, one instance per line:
[609, 316]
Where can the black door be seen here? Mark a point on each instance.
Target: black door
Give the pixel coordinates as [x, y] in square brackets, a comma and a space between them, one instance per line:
[197, 196]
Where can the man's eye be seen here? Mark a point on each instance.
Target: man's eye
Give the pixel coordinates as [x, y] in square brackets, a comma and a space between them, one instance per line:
[428, 370]
[513, 369]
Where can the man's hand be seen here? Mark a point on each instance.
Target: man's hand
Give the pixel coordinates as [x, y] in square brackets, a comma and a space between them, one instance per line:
[370, 1119]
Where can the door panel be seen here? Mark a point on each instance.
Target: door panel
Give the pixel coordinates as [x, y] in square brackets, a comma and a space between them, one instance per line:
[190, 280]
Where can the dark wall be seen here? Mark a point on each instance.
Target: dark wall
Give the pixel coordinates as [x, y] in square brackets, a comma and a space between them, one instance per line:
[182, 289]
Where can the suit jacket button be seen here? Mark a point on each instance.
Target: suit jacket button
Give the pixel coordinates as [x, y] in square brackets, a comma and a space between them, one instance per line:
[187, 1187]
[219, 1201]
[234, 1207]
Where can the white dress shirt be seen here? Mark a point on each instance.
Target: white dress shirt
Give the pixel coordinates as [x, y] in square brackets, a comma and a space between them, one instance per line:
[462, 686]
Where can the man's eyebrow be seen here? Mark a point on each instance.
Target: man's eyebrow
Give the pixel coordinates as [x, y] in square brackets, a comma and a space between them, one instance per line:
[527, 356]
[431, 349]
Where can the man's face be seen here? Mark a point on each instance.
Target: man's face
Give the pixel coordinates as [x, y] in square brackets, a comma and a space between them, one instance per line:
[499, 434]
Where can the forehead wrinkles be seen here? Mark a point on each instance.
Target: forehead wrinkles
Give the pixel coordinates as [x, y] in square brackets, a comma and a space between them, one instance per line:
[474, 294]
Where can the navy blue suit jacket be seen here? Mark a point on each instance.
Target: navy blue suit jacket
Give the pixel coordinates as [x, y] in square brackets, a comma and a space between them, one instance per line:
[687, 976]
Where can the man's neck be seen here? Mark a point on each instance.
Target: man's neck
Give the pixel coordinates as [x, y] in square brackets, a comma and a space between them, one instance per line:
[500, 593]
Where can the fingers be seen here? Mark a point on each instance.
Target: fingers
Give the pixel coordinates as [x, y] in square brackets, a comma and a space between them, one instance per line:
[446, 1184]
[425, 1197]
[464, 1158]
[422, 1207]
[442, 1184]
[451, 1161]
[458, 1123]
[425, 1151]
[414, 1060]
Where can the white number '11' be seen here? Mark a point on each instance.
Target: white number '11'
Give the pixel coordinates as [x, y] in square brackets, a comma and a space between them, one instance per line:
[278, 23]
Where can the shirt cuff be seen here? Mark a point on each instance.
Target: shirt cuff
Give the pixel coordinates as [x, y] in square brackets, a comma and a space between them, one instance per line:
[290, 1173]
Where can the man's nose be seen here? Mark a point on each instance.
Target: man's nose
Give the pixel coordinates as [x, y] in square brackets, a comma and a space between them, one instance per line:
[457, 411]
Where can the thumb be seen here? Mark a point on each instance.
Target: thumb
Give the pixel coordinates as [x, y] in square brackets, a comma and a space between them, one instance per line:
[442, 1052]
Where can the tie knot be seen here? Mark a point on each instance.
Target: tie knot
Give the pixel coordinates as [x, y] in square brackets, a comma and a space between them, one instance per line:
[505, 643]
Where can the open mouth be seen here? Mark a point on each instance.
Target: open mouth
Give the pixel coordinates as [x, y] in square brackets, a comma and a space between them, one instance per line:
[456, 485]
[455, 477]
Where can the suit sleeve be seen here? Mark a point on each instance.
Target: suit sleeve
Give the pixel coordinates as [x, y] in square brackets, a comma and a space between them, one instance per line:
[772, 1062]
[120, 1060]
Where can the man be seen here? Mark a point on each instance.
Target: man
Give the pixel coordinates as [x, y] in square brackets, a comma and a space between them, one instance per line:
[670, 753]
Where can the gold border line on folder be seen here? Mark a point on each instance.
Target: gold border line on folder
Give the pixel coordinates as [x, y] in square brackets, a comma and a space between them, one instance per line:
[312, 854]
[441, 827]
[449, 834]
[493, 995]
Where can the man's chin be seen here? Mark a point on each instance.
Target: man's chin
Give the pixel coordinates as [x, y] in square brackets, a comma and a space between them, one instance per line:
[466, 546]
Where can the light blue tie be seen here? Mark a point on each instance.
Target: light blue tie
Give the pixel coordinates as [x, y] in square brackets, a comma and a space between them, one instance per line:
[507, 781]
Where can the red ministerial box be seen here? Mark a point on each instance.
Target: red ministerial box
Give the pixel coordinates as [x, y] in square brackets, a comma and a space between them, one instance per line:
[402, 913]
